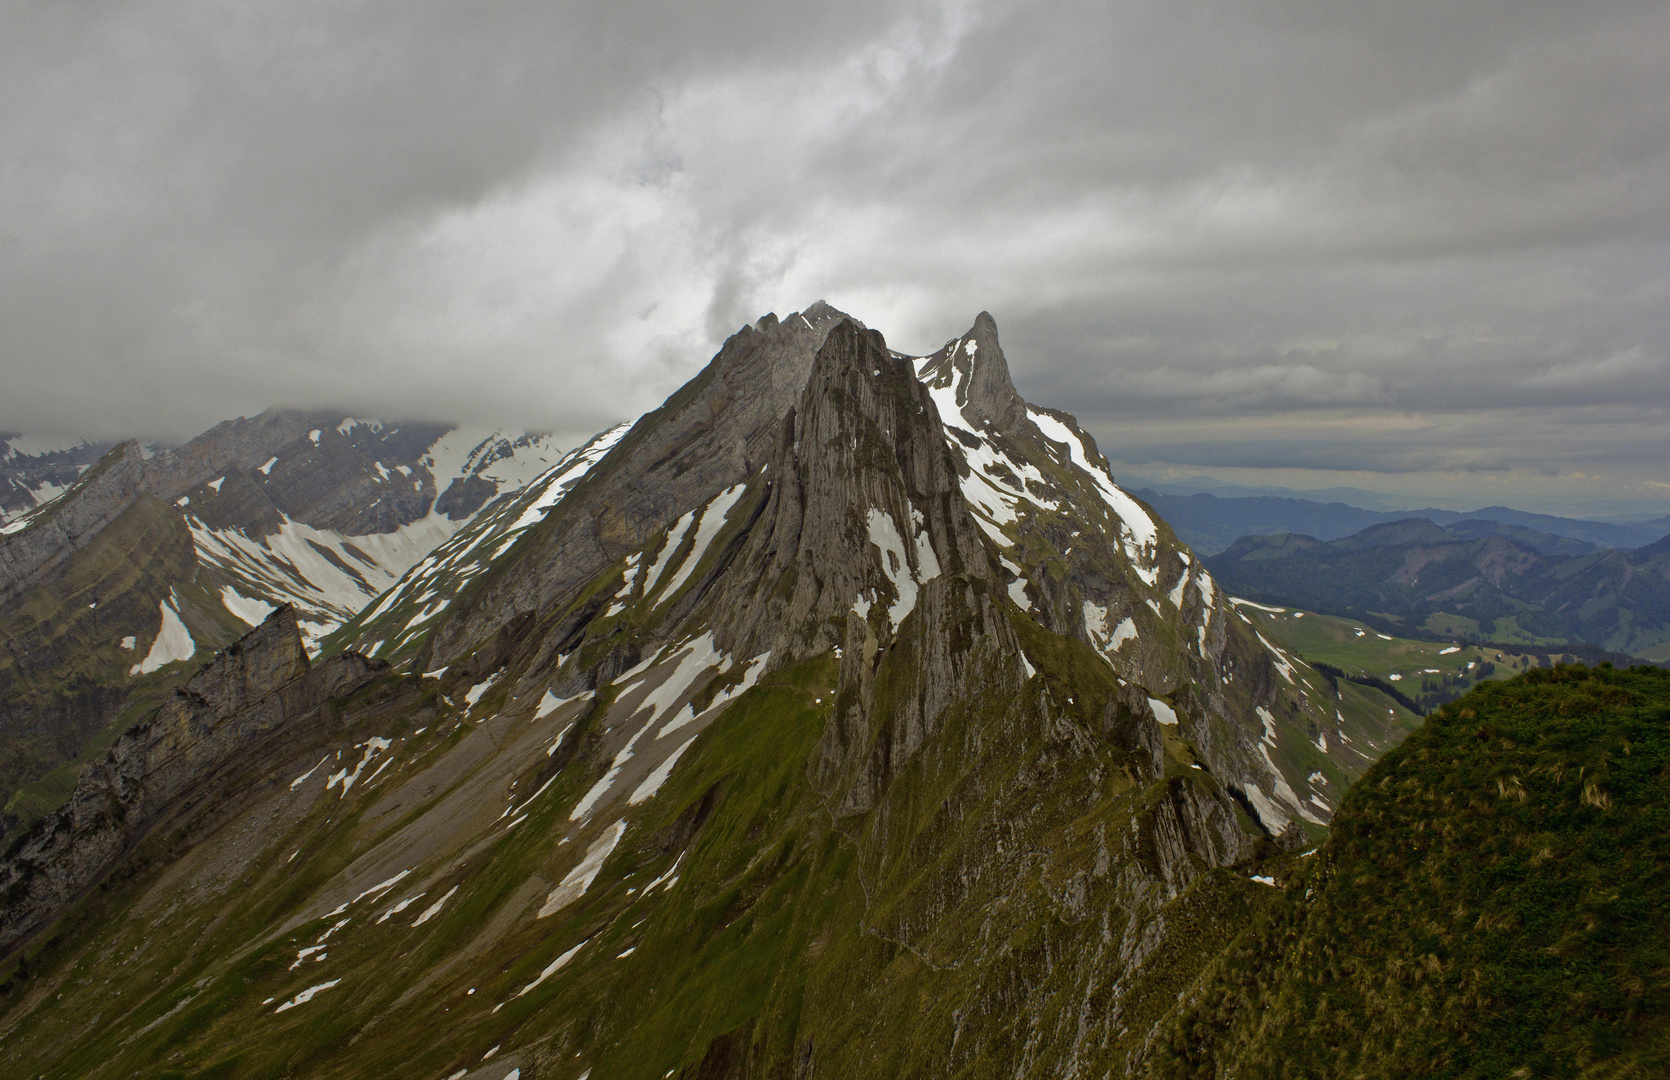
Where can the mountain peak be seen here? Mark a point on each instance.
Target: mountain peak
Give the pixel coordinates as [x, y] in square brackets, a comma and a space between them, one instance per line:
[974, 364]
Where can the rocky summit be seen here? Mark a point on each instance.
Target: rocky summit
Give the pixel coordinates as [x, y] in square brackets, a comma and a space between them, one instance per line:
[841, 717]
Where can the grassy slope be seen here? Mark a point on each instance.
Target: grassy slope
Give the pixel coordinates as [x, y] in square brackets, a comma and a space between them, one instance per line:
[1494, 901]
[781, 920]
[1422, 670]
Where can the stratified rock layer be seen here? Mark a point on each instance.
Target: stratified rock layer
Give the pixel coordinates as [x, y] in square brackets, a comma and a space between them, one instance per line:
[259, 687]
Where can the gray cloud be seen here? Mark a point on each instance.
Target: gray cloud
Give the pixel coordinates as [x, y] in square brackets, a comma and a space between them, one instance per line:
[1422, 241]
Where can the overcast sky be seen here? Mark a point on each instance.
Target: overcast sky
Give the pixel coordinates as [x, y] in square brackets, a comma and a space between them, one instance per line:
[1410, 246]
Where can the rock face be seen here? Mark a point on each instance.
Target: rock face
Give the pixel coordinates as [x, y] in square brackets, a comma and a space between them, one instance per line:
[259, 687]
[711, 435]
[315, 510]
[975, 366]
[33, 471]
[318, 469]
[68, 525]
[63, 671]
[864, 539]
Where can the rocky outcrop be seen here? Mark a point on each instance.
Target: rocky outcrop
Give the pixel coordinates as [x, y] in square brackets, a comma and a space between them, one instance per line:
[309, 466]
[66, 526]
[62, 667]
[330, 484]
[31, 471]
[866, 543]
[715, 432]
[244, 443]
[975, 366]
[259, 687]
[89, 581]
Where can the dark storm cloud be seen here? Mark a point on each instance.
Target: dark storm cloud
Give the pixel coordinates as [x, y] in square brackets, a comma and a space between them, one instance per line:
[1390, 238]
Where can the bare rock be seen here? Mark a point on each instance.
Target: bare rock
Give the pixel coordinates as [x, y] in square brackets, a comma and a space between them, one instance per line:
[259, 686]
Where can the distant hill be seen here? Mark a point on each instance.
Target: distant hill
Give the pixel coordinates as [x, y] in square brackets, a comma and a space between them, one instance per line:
[1210, 523]
[1465, 580]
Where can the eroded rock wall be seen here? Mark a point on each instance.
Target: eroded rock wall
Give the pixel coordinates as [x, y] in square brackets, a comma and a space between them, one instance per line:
[261, 685]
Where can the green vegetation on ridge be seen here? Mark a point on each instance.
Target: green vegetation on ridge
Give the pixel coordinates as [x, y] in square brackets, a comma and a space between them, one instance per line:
[1494, 902]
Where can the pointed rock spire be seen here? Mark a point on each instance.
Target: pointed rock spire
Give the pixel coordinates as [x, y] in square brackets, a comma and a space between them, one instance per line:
[990, 392]
[974, 365]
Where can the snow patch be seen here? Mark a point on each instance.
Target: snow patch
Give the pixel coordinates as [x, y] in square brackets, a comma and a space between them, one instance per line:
[1238, 602]
[376, 890]
[652, 783]
[551, 969]
[750, 675]
[475, 692]
[1268, 812]
[1140, 533]
[173, 642]
[712, 520]
[1017, 588]
[253, 612]
[675, 538]
[579, 879]
[302, 779]
[884, 535]
[372, 747]
[434, 909]
[1176, 594]
[306, 996]
[399, 907]
[1279, 658]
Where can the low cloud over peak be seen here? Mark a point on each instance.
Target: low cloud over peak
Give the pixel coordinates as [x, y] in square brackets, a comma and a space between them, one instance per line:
[1211, 230]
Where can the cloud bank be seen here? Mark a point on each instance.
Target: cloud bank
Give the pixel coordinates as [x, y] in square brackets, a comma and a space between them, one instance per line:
[1399, 245]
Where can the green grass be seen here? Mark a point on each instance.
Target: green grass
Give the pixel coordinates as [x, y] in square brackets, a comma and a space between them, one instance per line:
[1426, 672]
[1494, 902]
[781, 917]
[1360, 649]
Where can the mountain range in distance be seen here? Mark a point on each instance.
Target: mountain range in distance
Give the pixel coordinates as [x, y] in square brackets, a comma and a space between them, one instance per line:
[1468, 581]
[1211, 522]
[123, 565]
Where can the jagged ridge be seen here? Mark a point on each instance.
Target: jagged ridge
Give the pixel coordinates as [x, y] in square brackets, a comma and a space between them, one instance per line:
[785, 741]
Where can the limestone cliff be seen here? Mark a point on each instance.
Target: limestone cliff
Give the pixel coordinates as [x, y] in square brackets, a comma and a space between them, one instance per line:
[258, 687]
